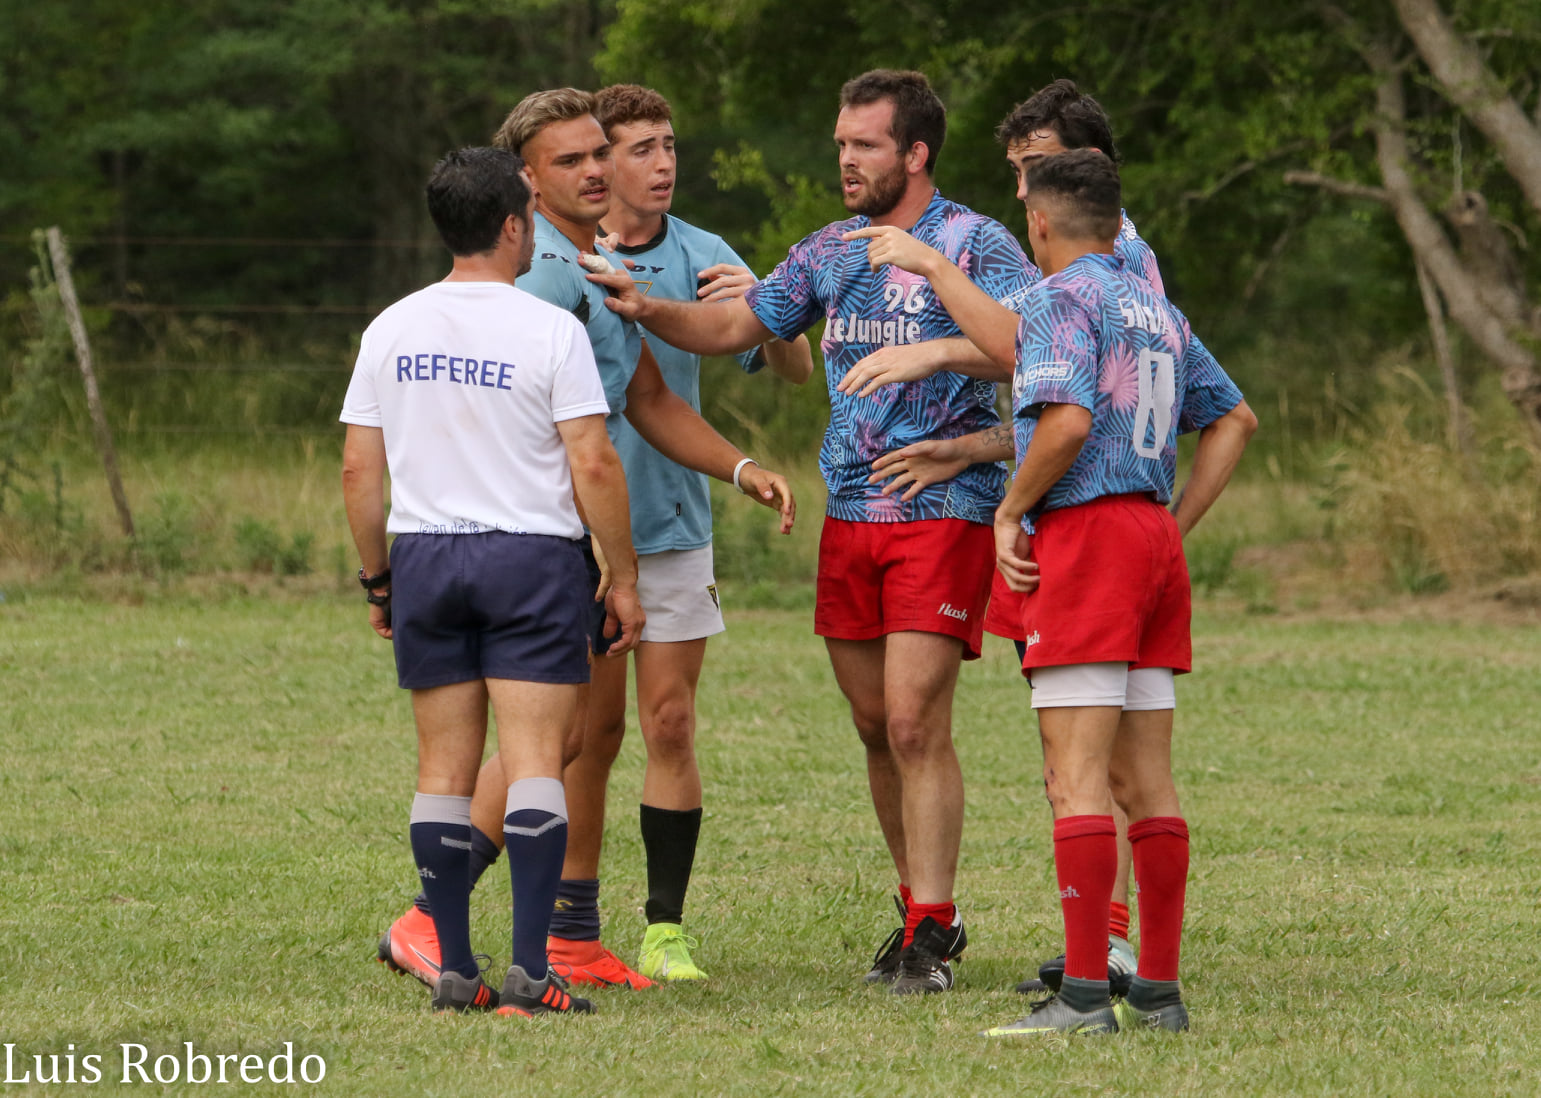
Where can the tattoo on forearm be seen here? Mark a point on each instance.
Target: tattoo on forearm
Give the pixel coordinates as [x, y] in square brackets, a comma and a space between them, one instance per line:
[999, 435]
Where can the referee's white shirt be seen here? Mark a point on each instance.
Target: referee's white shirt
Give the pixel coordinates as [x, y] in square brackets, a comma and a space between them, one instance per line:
[468, 380]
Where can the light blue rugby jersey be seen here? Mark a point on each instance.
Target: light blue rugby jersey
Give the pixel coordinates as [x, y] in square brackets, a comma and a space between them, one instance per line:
[671, 506]
[556, 276]
[1097, 335]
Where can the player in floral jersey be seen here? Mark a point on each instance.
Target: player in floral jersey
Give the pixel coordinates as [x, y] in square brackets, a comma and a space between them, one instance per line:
[1108, 375]
[1055, 119]
[901, 593]
[828, 276]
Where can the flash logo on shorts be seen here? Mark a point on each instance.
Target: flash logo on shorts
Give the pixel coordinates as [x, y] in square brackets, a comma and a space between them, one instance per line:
[711, 589]
[948, 610]
[1030, 641]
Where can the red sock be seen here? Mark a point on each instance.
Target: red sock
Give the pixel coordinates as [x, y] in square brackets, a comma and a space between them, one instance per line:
[905, 894]
[1118, 920]
[1086, 861]
[942, 913]
[1161, 866]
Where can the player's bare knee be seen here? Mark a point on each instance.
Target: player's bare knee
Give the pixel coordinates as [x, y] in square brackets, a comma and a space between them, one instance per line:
[872, 727]
[912, 738]
[602, 737]
[670, 732]
[572, 745]
[1122, 786]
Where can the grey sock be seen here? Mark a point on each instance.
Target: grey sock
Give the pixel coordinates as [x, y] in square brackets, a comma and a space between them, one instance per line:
[1154, 994]
[1084, 995]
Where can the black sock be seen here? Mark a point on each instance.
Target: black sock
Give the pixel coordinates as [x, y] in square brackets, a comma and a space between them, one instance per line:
[1154, 994]
[669, 837]
[483, 853]
[1084, 995]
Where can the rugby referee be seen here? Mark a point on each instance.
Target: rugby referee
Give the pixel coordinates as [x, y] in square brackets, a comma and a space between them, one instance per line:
[485, 405]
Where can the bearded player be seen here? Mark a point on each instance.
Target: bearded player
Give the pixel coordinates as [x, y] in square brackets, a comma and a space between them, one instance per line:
[1055, 119]
[902, 583]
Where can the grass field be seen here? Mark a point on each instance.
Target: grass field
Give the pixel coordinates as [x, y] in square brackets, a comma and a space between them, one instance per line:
[202, 834]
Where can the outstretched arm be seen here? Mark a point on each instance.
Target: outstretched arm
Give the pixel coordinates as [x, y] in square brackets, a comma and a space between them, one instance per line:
[677, 431]
[718, 328]
[789, 359]
[1219, 449]
[914, 361]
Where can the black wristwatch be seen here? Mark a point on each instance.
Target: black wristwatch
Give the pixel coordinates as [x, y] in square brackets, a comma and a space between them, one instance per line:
[374, 582]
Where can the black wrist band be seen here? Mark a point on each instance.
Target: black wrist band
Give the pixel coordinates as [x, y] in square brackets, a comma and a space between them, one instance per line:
[374, 582]
[374, 598]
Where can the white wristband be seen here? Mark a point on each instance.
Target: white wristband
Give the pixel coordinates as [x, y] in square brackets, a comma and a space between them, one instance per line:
[739, 468]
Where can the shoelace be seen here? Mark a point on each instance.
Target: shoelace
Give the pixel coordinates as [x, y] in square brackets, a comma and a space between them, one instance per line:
[894, 941]
[890, 945]
[678, 936]
[1042, 1004]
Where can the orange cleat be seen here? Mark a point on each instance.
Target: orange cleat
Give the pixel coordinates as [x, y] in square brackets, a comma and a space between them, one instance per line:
[590, 964]
[411, 945]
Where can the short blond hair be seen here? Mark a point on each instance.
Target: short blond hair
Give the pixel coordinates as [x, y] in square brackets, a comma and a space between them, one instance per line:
[538, 110]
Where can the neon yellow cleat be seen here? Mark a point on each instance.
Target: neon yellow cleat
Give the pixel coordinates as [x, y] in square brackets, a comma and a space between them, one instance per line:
[666, 954]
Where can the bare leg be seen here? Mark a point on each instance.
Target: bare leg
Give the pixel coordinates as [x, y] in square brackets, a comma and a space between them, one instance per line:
[921, 671]
[1121, 821]
[667, 674]
[1142, 764]
[533, 720]
[587, 776]
[858, 667]
[492, 788]
[1077, 750]
[451, 732]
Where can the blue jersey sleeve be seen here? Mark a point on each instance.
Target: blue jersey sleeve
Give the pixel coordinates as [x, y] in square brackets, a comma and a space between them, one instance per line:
[1139, 259]
[1057, 354]
[784, 301]
[1208, 392]
[998, 265]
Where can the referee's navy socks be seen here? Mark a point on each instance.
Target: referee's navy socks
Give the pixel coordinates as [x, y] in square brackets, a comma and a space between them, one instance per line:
[535, 832]
[483, 853]
[669, 837]
[576, 913]
[441, 847]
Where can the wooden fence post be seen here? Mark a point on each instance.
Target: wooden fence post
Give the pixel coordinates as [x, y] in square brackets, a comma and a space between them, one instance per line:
[61, 265]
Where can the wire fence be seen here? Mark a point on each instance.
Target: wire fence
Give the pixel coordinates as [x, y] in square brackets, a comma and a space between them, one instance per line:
[228, 393]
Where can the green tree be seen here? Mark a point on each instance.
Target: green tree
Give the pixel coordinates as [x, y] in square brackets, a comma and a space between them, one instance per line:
[299, 119]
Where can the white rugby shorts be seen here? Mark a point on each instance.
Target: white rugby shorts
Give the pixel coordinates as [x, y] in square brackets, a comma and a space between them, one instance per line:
[679, 594]
[1087, 684]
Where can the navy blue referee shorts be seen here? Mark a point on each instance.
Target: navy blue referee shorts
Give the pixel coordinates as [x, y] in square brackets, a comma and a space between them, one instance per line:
[489, 606]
